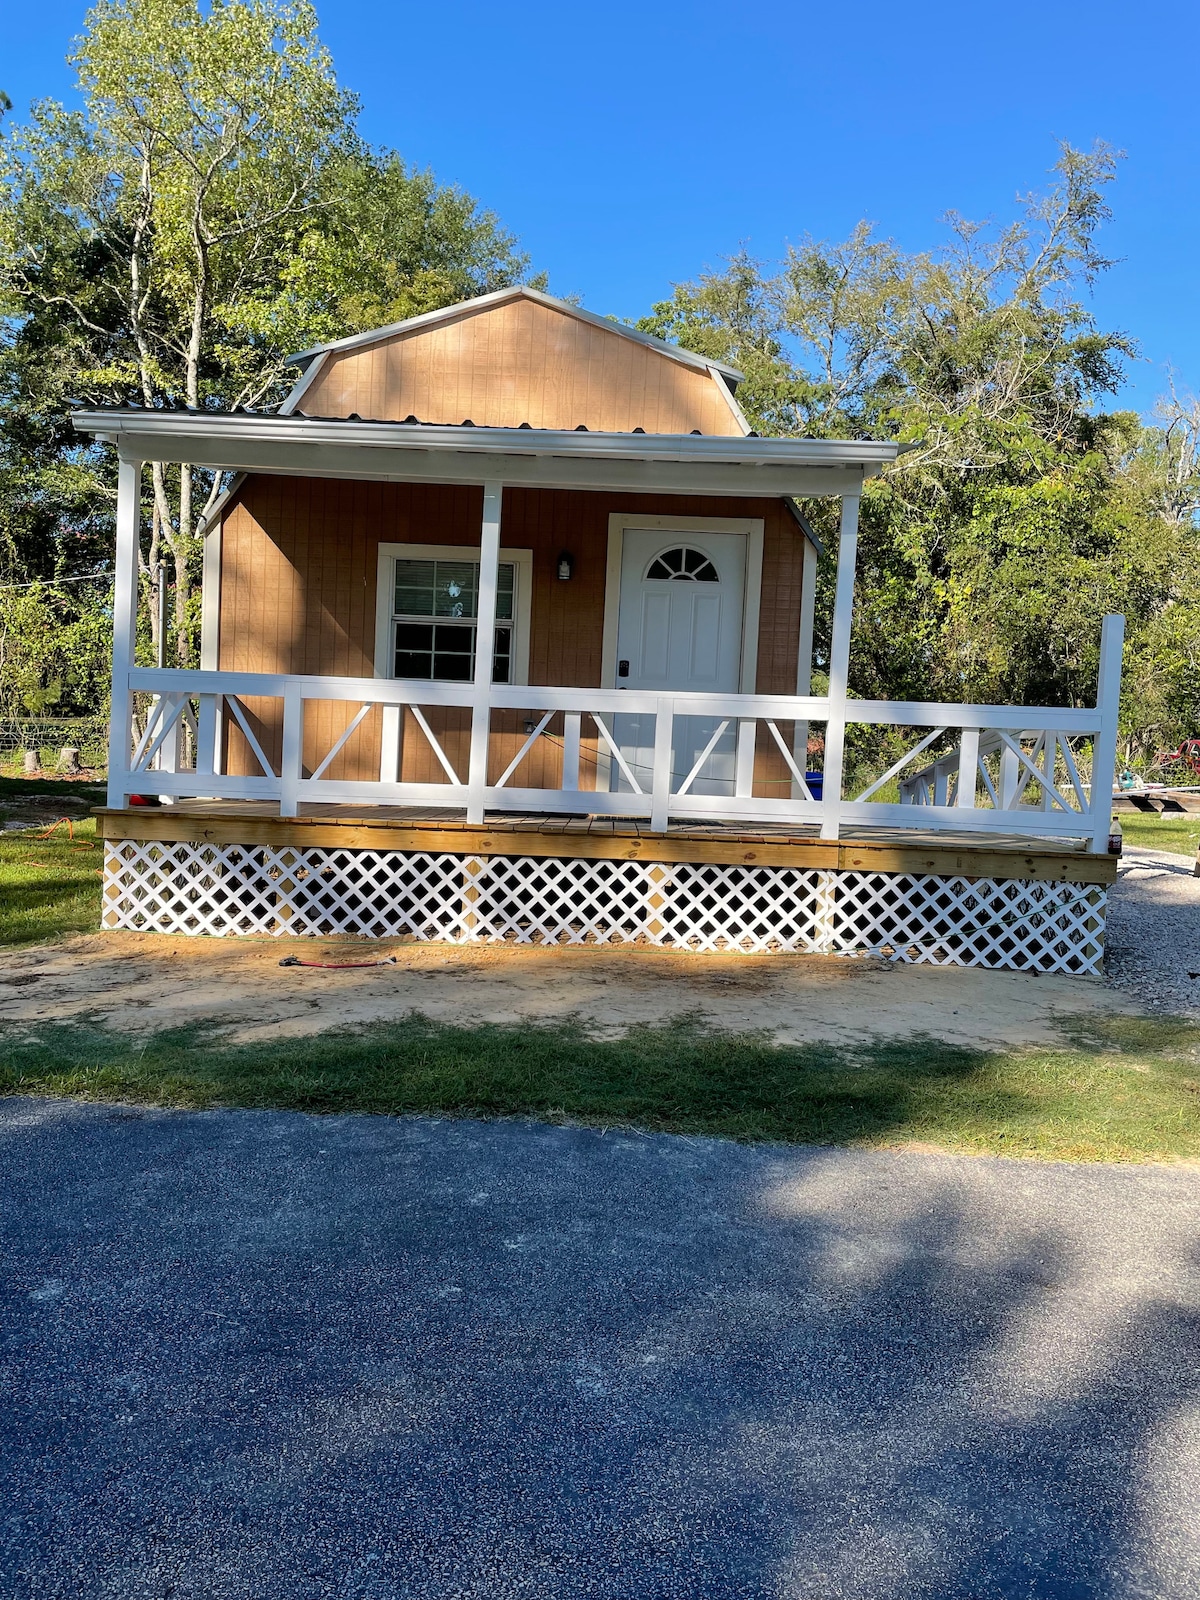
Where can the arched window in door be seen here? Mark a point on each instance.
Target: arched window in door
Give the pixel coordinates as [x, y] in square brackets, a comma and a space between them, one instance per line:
[693, 566]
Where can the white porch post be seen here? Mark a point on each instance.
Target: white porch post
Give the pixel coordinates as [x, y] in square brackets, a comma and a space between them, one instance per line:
[1104, 747]
[208, 723]
[485, 644]
[839, 665]
[804, 653]
[125, 596]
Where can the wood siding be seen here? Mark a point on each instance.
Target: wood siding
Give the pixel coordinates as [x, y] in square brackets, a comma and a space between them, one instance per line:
[299, 561]
[516, 363]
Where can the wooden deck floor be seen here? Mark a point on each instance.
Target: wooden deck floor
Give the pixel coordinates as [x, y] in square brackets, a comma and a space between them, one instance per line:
[432, 829]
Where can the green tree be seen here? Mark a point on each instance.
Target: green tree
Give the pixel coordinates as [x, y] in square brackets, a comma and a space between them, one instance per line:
[54, 650]
[1022, 511]
[210, 211]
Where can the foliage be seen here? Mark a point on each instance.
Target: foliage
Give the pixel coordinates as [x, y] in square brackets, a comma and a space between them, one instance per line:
[55, 644]
[209, 212]
[1021, 512]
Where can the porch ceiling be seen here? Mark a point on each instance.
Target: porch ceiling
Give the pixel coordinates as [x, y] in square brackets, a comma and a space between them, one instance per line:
[407, 452]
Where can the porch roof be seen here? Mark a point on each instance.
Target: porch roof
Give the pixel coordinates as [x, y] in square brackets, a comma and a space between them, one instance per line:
[324, 447]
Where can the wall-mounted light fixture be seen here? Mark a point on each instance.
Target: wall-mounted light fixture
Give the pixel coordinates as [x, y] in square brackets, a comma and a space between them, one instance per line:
[566, 566]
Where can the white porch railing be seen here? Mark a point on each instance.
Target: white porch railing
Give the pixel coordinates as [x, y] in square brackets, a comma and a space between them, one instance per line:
[1011, 770]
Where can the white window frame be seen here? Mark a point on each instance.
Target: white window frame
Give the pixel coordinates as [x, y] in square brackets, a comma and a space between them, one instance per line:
[751, 527]
[385, 590]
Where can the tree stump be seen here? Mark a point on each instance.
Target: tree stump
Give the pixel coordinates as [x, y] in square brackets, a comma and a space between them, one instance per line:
[33, 763]
[68, 759]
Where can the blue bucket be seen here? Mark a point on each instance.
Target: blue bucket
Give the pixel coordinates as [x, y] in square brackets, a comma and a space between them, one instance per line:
[816, 784]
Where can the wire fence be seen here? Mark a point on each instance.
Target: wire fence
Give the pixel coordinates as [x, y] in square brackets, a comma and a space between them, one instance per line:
[49, 737]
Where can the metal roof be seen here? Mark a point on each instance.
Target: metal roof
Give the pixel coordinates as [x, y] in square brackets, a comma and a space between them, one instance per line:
[683, 464]
[467, 435]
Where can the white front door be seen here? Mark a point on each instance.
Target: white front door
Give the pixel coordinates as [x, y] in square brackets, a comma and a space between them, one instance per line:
[680, 627]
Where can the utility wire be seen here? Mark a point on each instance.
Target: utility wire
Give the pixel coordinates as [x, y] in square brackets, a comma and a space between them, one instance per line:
[50, 582]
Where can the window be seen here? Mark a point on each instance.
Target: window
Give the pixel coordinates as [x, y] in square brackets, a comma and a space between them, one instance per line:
[693, 566]
[435, 607]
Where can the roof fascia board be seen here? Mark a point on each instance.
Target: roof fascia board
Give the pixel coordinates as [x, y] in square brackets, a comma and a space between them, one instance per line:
[220, 504]
[305, 383]
[426, 319]
[181, 432]
[551, 472]
[465, 308]
[331, 458]
[727, 395]
[689, 358]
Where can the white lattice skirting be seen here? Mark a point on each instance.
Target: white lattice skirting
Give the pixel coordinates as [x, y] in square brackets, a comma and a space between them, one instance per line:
[947, 921]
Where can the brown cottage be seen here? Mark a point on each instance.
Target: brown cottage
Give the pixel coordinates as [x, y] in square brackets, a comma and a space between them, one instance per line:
[303, 565]
[508, 633]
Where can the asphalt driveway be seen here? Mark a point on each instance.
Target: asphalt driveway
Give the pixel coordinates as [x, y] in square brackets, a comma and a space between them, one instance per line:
[258, 1354]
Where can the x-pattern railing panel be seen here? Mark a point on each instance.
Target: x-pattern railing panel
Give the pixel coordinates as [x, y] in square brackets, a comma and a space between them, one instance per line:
[920, 788]
[958, 791]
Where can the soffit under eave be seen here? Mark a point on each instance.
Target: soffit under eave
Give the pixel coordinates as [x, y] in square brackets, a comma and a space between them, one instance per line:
[598, 474]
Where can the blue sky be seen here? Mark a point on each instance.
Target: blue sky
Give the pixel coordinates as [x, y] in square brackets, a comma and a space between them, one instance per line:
[631, 145]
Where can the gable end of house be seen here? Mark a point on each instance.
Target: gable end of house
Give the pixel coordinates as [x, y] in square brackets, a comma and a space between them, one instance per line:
[519, 358]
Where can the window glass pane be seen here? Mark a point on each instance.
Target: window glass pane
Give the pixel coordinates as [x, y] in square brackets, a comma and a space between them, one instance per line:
[504, 594]
[414, 588]
[448, 589]
[683, 563]
[414, 650]
[446, 649]
[455, 588]
[453, 653]
[502, 658]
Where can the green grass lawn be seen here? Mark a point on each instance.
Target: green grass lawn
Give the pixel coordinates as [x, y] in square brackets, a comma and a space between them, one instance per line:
[48, 887]
[1115, 1090]
[1178, 834]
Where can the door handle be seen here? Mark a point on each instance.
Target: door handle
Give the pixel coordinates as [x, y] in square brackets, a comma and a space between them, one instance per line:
[622, 669]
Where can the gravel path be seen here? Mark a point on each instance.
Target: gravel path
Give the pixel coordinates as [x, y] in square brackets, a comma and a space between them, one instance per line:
[1153, 942]
[253, 1354]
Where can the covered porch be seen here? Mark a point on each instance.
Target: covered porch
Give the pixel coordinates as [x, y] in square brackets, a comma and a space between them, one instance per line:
[545, 748]
[493, 806]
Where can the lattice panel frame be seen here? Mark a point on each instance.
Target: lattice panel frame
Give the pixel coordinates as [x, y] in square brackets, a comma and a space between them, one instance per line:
[224, 890]
[1020, 923]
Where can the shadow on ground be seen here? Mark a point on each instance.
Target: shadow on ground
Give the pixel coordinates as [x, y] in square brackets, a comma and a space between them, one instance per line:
[1113, 1087]
[268, 1353]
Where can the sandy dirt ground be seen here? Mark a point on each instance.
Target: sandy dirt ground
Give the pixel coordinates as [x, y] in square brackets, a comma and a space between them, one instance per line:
[145, 982]
[148, 981]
